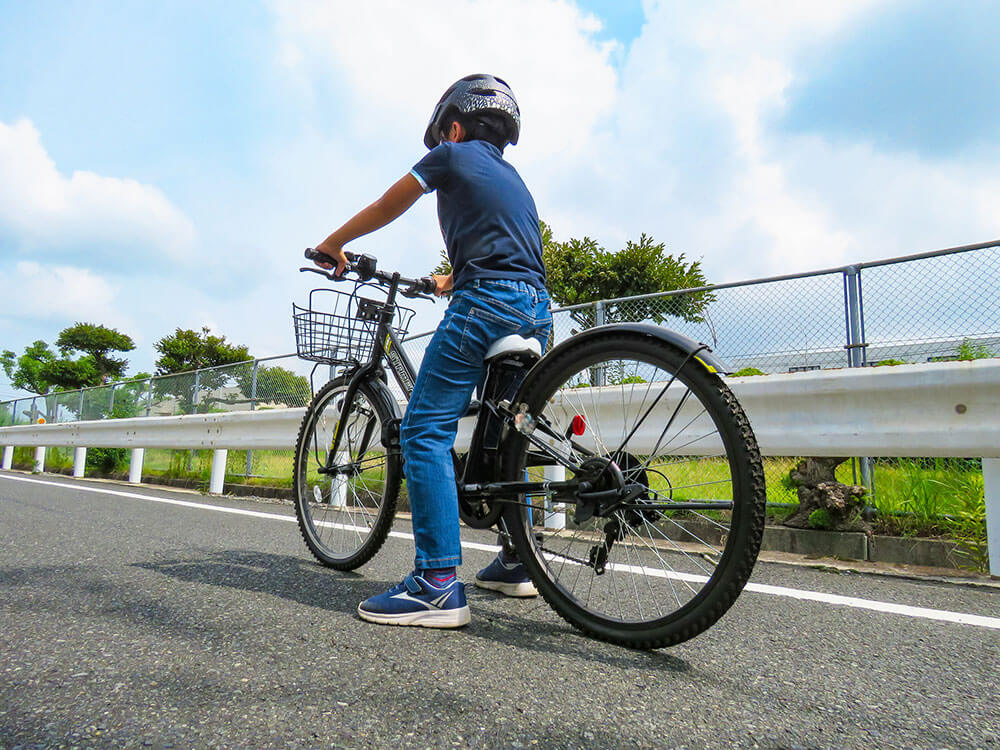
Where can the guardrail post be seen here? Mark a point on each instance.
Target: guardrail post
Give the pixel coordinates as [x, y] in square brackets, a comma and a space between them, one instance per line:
[135, 465]
[218, 479]
[555, 515]
[79, 462]
[991, 487]
[338, 484]
[39, 466]
[8, 457]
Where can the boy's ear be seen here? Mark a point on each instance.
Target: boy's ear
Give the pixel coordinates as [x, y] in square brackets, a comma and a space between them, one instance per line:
[456, 133]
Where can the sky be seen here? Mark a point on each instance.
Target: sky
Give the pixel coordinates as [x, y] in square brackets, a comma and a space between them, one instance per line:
[163, 165]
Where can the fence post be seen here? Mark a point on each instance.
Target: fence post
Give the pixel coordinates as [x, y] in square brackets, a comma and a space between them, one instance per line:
[599, 372]
[194, 393]
[111, 402]
[253, 400]
[149, 396]
[856, 355]
[81, 417]
[218, 478]
[991, 487]
[79, 462]
[8, 457]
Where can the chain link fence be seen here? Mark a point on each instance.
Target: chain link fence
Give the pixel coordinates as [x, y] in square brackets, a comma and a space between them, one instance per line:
[936, 306]
[272, 383]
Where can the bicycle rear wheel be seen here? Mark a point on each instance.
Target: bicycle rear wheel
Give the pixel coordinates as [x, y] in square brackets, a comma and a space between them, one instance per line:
[666, 563]
[345, 503]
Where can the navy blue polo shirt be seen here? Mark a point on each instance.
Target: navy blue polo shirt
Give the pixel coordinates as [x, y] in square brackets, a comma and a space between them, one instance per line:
[488, 217]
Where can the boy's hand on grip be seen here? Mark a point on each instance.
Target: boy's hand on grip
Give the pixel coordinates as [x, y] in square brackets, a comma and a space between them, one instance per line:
[443, 283]
[334, 257]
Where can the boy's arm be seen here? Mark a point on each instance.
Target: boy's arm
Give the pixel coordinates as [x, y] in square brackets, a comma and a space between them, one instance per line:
[389, 207]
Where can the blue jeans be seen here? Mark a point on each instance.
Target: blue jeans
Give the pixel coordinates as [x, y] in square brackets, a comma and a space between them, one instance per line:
[480, 313]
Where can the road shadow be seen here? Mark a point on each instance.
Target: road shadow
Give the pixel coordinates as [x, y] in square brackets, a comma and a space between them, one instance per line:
[496, 619]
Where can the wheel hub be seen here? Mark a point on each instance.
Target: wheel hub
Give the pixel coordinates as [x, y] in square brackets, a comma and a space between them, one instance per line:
[611, 483]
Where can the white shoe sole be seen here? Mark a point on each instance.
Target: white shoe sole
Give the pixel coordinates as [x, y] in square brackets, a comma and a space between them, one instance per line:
[522, 589]
[445, 618]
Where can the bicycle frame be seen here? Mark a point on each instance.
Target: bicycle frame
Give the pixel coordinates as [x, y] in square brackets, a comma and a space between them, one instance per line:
[479, 480]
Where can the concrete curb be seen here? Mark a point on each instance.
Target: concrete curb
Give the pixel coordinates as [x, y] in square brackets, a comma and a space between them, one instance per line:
[843, 545]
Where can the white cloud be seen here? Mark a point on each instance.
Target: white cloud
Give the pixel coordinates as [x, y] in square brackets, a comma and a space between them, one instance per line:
[389, 62]
[42, 208]
[694, 158]
[59, 293]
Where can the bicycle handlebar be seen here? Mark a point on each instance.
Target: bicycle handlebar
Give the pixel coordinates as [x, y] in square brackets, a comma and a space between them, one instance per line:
[365, 267]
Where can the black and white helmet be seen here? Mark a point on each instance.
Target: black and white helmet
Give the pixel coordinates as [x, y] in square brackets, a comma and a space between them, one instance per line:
[479, 93]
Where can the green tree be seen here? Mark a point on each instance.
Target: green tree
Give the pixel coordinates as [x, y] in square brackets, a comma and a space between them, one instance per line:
[86, 360]
[191, 350]
[581, 271]
[97, 343]
[187, 350]
[28, 372]
[275, 385]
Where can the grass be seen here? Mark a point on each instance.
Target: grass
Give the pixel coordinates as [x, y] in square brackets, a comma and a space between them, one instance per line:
[922, 497]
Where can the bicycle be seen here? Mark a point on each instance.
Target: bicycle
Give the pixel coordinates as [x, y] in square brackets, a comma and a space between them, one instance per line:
[628, 427]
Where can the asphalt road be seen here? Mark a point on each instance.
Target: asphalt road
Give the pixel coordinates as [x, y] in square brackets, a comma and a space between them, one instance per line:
[132, 623]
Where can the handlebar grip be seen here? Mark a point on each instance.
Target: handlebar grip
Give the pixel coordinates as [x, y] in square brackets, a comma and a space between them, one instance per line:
[316, 255]
[426, 285]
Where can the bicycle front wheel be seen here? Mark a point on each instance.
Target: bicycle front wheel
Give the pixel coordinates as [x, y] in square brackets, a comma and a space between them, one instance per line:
[345, 499]
[668, 534]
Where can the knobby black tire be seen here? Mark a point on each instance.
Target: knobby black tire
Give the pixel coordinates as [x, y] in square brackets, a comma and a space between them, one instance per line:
[733, 562]
[328, 529]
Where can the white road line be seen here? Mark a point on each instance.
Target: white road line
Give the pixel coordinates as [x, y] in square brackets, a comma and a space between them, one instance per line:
[924, 613]
[150, 498]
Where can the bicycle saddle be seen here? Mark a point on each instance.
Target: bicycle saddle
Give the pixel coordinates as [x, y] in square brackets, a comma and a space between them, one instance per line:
[513, 344]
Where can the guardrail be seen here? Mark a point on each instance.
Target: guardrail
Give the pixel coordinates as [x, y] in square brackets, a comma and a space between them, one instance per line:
[949, 409]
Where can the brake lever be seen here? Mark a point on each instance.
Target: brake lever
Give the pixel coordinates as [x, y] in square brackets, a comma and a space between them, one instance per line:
[416, 295]
[421, 289]
[327, 274]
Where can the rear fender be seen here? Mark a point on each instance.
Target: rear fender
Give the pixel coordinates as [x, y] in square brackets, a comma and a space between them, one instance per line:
[701, 353]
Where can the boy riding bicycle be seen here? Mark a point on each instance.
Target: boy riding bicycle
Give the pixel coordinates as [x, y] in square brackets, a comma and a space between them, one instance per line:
[491, 233]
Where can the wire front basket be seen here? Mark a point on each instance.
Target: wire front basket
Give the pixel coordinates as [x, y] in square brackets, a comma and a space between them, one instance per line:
[343, 331]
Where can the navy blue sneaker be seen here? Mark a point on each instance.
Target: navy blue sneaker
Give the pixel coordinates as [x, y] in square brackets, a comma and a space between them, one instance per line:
[417, 601]
[507, 578]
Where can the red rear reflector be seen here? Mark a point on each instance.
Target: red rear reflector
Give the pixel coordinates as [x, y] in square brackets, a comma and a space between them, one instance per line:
[579, 425]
